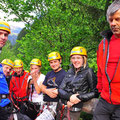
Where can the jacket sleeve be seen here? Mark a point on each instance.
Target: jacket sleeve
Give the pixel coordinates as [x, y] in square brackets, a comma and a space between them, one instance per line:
[93, 92]
[61, 91]
[99, 73]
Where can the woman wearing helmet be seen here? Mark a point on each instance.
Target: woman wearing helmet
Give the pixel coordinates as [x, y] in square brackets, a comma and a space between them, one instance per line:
[35, 81]
[50, 85]
[78, 85]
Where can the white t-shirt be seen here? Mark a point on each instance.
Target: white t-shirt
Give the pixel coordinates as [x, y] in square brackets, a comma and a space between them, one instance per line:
[35, 96]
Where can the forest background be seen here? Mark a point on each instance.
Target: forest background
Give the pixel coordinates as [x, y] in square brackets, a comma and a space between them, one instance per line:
[55, 25]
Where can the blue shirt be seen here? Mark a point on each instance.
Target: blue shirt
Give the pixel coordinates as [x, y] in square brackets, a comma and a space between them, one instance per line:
[53, 80]
[3, 88]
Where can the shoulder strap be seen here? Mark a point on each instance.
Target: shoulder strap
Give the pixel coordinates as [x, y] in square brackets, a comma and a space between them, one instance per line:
[24, 79]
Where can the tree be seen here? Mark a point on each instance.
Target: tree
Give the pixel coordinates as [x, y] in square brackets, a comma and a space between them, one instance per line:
[7, 52]
[58, 26]
[65, 25]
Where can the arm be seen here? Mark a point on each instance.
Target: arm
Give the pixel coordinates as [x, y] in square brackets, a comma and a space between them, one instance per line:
[35, 77]
[37, 87]
[11, 85]
[99, 74]
[50, 92]
[92, 81]
[61, 91]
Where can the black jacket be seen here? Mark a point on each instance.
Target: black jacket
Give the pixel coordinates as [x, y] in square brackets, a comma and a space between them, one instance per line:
[83, 82]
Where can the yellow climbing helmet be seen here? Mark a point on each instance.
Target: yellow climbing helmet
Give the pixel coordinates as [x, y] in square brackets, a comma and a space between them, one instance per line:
[35, 62]
[54, 56]
[27, 71]
[8, 62]
[5, 26]
[18, 63]
[78, 51]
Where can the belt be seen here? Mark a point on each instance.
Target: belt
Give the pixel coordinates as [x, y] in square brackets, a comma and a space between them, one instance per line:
[72, 109]
[4, 96]
[51, 103]
[75, 109]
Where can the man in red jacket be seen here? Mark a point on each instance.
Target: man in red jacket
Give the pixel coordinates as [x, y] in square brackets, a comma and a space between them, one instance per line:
[108, 61]
[18, 84]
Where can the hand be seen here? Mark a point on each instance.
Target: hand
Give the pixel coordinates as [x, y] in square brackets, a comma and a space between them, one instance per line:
[55, 91]
[51, 92]
[34, 75]
[69, 104]
[74, 99]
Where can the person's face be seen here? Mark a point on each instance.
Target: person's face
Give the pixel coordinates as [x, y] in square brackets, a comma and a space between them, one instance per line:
[114, 22]
[55, 64]
[77, 61]
[3, 37]
[18, 70]
[7, 70]
[35, 68]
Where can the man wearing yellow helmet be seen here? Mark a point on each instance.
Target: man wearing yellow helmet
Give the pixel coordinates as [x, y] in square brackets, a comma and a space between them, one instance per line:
[78, 86]
[7, 69]
[50, 85]
[4, 90]
[4, 32]
[18, 84]
[35, 81]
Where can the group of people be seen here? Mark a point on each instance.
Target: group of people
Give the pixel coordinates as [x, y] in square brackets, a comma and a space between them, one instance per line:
[70, 89]
[63, 95]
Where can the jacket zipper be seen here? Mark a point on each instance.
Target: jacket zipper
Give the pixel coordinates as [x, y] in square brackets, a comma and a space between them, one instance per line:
[109, 81]
[73, 80]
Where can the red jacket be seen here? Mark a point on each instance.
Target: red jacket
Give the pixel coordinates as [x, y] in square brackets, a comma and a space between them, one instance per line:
[18, 86]
[109, 89]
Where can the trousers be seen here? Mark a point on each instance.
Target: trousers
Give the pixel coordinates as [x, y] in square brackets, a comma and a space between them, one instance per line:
[106, 111]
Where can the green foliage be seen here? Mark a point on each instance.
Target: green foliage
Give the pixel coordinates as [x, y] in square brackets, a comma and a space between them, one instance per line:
[56, 25]
[7, 52]
[65, 25]
[59, 26]
[85, 116]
